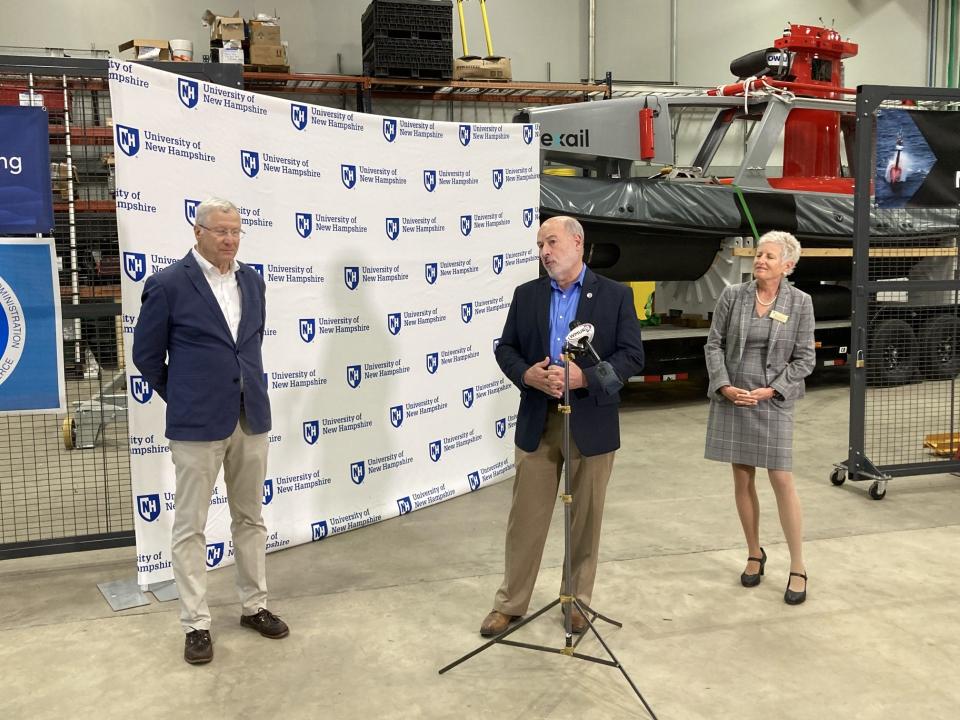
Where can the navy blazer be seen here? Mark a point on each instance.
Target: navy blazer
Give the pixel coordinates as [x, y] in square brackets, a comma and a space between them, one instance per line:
[594, 419]
[183, 347]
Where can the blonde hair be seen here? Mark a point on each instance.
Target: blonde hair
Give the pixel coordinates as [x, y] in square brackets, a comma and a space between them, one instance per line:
[789, 246]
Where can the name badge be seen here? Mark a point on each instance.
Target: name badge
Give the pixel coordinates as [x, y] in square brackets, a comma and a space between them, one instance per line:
[779, 316]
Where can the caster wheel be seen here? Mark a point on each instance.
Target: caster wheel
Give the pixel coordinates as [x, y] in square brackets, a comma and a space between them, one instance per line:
[69, 433]
[877, 492]
[838, 476]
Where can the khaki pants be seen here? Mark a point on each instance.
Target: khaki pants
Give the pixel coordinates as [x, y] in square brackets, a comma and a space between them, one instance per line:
[534, 495]
[244, 461]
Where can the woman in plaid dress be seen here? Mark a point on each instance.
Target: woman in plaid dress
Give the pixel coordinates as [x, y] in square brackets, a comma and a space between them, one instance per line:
[759, 350]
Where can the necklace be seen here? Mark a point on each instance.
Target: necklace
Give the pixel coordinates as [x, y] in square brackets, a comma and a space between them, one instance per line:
[766, 304]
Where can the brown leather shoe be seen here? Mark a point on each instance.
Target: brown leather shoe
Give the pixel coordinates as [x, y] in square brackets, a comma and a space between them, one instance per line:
[578, 623]
[496, 622]
[198, 647]
[266, 623]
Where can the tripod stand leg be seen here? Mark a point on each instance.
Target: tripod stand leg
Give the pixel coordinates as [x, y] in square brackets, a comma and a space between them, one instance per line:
[584, 608]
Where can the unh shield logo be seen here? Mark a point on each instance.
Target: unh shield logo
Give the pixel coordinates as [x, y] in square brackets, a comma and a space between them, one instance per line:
[467, 396]
[148, 506]
[128, 138]
[351, 277]
[464, 135]
[433, 362]
[250, 162]
[348, 175]
[527, 217]
[354, 375]
[466, 312]
[258, 267]
[527, 134]
[474, 480]
[318, 530]
[389, 129]
[140, 389]
[308, 328]
[430, 272]
[436, 450]
[304, 225]
[214, 554]
[298, 116]
[135, 265]
[498, 178]
[311, 431]
[501, 427]
[404, 505]
[466, 224]
[190, 210]
[396, 415]
[189, 92]
[430, 180]
[267, 491]
[358, 471]
[394, 323]
[392, 226]
[497, 264]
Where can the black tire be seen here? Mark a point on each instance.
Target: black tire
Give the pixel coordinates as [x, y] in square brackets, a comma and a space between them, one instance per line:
[892, 357]
[938, 343]
[876, 493]
[838, 476]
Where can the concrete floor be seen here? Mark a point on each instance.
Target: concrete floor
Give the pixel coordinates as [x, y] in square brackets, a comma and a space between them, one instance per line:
[376, 612]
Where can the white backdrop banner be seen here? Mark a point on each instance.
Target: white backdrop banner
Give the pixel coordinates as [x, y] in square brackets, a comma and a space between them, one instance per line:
[390, 249]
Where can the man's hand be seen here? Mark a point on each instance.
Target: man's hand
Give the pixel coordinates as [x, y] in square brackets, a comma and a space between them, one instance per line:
[577, 378]
[543, 378]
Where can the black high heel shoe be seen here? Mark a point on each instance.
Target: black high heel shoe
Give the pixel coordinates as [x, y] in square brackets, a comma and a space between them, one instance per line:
[795, 597]
[754, 580]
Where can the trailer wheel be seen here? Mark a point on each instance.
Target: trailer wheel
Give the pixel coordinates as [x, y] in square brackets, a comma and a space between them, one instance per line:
[878, 491]
[838, 476]
[938, 340]
[69, 433]
[891, 359]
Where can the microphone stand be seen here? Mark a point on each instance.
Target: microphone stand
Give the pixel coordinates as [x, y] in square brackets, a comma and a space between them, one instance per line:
[567, 600]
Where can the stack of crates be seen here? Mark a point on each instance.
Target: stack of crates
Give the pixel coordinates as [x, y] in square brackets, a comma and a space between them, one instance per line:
[408, 38]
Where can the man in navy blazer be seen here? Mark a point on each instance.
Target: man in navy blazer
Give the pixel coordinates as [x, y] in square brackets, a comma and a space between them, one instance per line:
[529, 354]
[198, 343]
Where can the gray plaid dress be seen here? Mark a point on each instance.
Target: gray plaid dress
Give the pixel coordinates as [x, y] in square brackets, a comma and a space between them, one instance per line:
[759, 435]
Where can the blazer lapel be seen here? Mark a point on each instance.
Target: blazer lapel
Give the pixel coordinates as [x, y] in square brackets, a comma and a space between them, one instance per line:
[247, 305]
[588, 297]
[203, 287]
[543, 314]
[746, 313]
[784, 306]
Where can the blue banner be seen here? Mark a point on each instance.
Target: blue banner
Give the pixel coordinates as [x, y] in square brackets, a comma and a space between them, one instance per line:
[31, 349]
[26, 201]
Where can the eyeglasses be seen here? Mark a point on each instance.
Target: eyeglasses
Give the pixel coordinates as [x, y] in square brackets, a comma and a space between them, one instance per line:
[221, 233]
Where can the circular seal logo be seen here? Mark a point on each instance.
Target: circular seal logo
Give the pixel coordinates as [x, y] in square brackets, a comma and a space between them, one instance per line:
[13, 330]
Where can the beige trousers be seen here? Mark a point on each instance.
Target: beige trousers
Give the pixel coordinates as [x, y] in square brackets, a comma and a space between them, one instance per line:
[244, 461]
[534, 495]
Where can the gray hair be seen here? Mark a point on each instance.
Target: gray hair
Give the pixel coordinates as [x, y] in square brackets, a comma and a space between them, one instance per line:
[789, 246]
[571, 225]
[212, 204]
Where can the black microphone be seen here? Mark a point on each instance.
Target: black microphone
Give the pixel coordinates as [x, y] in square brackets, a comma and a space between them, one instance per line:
[581, 334]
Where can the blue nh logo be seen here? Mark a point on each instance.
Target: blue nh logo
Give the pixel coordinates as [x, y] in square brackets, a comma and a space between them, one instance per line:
[140, 389]
[267, 491]
[467, 395]
[304, 224]
[396, 415]
[466, 312]
[430, 272]
[128, 138]
[188, 91]
[392, 226]
[389, 129]
[348, 175]
[148, 506]
[318, 530]
[404, 505]
[466, 224]
[498, 178]
[474, 480]
[250, 162]
[135, 265]
[311, 431]
[308, 328]
[358, 471]
[258, 267]
[394, 323]
[496, 344]
[214, 554]
[501, 427]
[354, 375]
[464, 135]
[190, 210]
[436, 450]
[527, 217]
[298, 116]
[351, 277]
[430, 180]
[497, 264]
[527, 134]
[433, 362]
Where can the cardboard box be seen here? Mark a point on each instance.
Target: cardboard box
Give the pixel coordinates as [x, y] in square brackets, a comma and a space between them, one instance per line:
[227, 55]
[223, 27]
[491, 68]
[267, 55]
[146, 49]
[60, 177]
[263, 32]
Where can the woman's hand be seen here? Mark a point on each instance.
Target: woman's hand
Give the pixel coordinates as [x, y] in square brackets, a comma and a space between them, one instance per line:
[739, 396]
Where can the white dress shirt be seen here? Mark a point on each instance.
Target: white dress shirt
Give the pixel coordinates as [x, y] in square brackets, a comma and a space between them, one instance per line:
[225, 290]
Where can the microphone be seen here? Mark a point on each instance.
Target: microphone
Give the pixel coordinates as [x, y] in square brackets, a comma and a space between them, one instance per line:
[581, 335]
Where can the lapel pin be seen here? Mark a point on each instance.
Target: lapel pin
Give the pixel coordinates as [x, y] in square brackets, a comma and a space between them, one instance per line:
[589, 295]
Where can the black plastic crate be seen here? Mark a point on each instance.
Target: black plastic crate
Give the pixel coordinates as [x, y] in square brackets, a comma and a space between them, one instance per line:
[417, 19]
[409, 58]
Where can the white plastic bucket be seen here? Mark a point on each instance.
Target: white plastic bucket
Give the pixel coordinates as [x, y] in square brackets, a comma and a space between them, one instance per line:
[181, 50]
